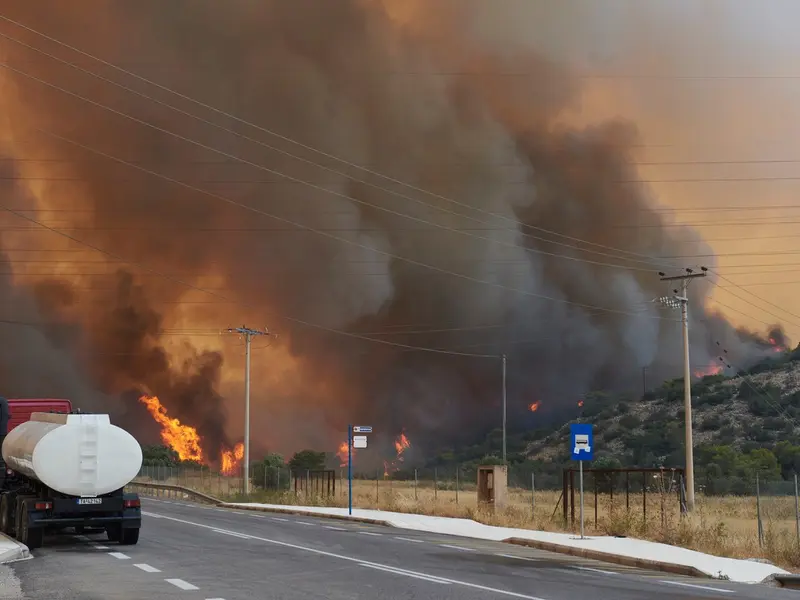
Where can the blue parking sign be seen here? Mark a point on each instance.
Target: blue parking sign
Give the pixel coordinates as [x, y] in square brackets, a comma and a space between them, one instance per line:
[581, 441]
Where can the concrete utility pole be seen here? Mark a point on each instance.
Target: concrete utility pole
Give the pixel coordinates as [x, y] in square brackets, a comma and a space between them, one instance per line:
[681, 300]
[504, 410]
[248, 337]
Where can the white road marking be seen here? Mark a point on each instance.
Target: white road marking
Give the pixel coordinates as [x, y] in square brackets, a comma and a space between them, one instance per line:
[458, 548]
[369, 533]
[279, 519]
[399, 572]
[304, 523]
[184, 585]
[355, 560]
[147, 568]
[215, 598]
[99, 547]
[119, 555]
[596, 570]
[698, 587]
[409, 540]
[332, 528]
[517, 557]
[232, 533]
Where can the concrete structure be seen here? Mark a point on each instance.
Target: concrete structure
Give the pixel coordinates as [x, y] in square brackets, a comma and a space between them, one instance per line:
[493, 486]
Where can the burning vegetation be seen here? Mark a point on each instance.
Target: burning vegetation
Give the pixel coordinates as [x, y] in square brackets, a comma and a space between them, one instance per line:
[186, 441]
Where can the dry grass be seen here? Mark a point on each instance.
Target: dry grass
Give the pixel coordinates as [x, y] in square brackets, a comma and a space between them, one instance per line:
[724, 526]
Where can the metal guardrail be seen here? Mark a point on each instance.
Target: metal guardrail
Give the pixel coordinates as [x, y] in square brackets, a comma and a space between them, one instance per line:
[165, 490]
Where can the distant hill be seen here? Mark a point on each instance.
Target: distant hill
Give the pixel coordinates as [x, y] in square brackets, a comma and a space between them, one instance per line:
[743, 424]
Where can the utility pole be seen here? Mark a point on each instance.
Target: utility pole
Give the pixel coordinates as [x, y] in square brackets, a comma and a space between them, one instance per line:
[681, 299]
[248, 334]
[504, 410]
[644, 380]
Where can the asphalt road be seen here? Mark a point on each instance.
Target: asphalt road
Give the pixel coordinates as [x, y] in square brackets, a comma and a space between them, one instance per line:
[197, 552]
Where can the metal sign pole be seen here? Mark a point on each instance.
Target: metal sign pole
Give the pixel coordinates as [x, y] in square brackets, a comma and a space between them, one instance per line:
[350, 469]
[580, 464]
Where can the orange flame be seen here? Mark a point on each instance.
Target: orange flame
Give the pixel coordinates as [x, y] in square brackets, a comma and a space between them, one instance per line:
[776, 347]
[342, 454]
[231, 460]
[183, 439]
[534, 407]
[580, 403]
[711, 369]
[401, 444]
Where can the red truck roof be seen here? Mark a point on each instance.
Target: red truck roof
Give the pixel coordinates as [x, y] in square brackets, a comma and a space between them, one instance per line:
[20, 409]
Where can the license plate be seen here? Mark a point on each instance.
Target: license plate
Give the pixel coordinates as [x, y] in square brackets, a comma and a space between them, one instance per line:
[90, 500]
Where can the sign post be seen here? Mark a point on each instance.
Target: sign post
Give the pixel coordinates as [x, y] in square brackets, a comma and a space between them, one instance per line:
[581, 442]
[350, 469]
[359, 441]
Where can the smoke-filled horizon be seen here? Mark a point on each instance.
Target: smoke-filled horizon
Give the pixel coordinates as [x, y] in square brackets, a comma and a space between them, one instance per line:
[424, 99]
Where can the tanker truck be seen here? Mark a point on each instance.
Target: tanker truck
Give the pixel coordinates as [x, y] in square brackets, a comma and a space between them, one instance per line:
[67, 469]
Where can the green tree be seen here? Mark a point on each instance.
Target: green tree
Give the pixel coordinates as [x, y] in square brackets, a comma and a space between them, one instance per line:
[307, 460]
[159, 456]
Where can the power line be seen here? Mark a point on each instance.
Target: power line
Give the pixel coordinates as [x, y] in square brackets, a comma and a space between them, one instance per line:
[333, 192]
[270, 132]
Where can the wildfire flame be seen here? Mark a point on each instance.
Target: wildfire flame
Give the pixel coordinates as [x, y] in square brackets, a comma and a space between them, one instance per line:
[776, 347]
[231, 460]
[182, 438]
[401, 444]
[580, 403]
[712, 369]
[534, 407]
[342, 454]
[185, 440]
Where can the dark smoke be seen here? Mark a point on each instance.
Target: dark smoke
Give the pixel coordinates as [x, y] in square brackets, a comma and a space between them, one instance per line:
[341, 76]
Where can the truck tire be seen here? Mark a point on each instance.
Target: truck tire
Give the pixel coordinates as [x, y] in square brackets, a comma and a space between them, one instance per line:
[130, 537]
[6, 522]
[114, 533]
[32, 538]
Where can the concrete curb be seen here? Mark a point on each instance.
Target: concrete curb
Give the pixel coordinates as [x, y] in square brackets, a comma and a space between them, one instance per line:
[790, 582]
[19, 552]
[305, 513]
[539, 545]
[628, 561]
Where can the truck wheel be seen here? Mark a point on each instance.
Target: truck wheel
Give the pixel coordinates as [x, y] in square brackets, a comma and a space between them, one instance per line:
[129, 537]
[32, 538]
[114, 533]
[6, 523]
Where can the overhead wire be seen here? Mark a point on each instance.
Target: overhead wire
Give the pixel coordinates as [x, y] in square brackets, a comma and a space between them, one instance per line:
[334, 192]
[282, 137]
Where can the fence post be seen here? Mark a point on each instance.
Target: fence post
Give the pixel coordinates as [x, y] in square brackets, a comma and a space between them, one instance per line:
[456, 484]
[435, 483]
[796, 509]
[758, 515]
[415, 485]
[533, 494]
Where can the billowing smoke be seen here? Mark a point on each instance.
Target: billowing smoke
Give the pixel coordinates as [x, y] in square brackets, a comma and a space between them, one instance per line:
[414, 94]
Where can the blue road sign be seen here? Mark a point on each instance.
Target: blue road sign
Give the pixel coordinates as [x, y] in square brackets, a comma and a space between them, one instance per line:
[581, 441]
[362, 429]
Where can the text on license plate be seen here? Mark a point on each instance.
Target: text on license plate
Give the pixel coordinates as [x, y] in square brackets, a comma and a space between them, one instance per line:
[90, 500]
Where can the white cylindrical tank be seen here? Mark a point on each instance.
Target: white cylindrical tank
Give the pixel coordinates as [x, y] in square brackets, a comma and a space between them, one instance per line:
[77, 455]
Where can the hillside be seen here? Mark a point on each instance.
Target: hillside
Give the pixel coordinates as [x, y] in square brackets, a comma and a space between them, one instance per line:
[742, 423]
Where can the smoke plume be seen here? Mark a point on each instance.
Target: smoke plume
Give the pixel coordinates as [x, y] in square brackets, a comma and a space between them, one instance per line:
[438, 99]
